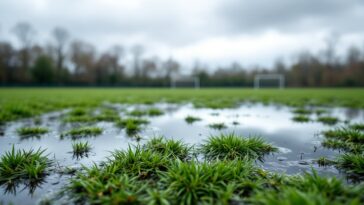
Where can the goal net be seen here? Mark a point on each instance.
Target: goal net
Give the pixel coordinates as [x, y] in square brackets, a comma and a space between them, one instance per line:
[185, 81]
[269, 80]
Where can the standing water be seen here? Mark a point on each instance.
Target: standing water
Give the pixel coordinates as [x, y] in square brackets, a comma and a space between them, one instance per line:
[299, 143]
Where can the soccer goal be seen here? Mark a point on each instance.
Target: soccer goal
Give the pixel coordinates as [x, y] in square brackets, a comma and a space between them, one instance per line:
[185, 81]
[279, 78]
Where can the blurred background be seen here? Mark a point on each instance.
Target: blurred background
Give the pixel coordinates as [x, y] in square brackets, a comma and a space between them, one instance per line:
[165, 43]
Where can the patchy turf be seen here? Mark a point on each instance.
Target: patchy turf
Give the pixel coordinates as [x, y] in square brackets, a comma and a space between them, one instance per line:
[80, 148]
[302, 111]
[132, 125]
[324, 161]
[89, 116]
[153, 175]
[351, 141]
[224, 169]
[301, 118]
[19, 103]
[83, 132]
[191, 119]
[31, 131]
[231, 146]
[29, 165]
[171, 148]
[328, 120]
[352, 163]
[218, 126]
[357, 126]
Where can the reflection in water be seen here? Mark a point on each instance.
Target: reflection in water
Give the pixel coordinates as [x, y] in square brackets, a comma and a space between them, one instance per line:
[2, 130]
[352, 113]
[14, 186]
[299, 143]
[37, 137]
[79, 156]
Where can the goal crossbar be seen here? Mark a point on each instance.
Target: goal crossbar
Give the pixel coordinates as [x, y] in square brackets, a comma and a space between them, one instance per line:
[193, 79]
[259, 77]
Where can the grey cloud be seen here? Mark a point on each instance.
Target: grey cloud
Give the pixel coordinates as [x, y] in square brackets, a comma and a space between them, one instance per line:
[291, 16]
[160, 21]
[175, 25]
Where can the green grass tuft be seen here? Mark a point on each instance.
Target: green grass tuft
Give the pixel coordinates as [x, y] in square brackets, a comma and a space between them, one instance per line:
[102, 186]
[336, 144]
[353, 163]
[83, 132]
[310, 189]
[81, 118]
[218, 126]
[132, 125]
[345, 134]
[289, 196]
[191, 119]
[78, 112]
[207, 183]
[81, 148]
[320, 111]
[302, 111]
[138, 113]
[19, 111]
[301, 118]
[107, 115]
[31, 131]
[357, 126]
[123, 122]
[231, 147]
[160, 197]
[21, 164]
[155, 112]
[323, 161]
[328, 120]
[171, 148]
[351, 141]
[139, 162]
[132, 128]
[150, 112]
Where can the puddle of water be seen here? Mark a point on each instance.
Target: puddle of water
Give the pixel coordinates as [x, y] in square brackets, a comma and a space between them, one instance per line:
[299, 143]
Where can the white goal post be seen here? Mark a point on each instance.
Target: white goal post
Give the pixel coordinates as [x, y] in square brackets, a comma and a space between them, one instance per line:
[260, 77]
[194, 80]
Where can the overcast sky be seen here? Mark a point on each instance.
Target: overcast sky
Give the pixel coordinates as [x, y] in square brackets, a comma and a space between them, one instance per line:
[215, 32]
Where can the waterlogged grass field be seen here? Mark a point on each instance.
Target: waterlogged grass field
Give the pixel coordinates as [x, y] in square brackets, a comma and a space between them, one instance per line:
[181, 146]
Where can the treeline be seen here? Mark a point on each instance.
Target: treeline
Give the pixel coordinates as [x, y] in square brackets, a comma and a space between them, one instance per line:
[75, 62]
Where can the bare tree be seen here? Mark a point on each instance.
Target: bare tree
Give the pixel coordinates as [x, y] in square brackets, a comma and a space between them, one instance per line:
[137, 51]
[61, 37]
[353, 55]
[25, 33]
[149, 66]
[330, 50]
[107, 67]
[279, 66]
[83, 58]
[6, 57]
[117, 52]
[171, 68]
